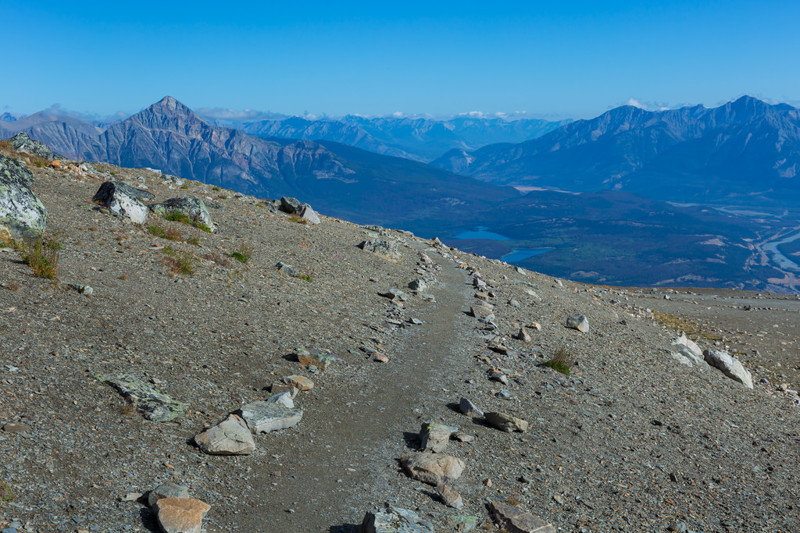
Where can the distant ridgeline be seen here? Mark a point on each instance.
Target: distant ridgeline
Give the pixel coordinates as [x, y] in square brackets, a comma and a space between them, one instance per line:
[614, 227]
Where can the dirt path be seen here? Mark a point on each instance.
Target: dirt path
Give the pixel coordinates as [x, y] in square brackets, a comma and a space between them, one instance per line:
[358, 430]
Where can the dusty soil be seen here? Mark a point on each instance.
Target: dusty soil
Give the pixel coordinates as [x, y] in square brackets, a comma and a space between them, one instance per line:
[630, 441]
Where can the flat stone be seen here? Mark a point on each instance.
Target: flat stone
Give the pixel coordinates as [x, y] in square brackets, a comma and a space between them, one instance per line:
[434, 436]
[515, 520]
[580, 322]
[395, 520]
[264, 417]
[299, 382]
[181, 515]
[16, 427]
[153, 404]
[167, 490]
[317, 357]
[432, 468]
[229, 437]
[469, 408]
[283, 398]
[379, 357]
[482, 312]
[506, 422]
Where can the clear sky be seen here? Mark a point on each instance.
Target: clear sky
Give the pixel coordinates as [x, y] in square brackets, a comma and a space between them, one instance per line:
[562, 58]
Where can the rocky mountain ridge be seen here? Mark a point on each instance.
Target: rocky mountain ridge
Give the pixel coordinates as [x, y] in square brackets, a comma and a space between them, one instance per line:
[743, 152]
[419, 370]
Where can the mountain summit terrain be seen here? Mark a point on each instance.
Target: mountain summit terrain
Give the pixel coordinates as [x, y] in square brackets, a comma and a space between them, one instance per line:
[238, 364]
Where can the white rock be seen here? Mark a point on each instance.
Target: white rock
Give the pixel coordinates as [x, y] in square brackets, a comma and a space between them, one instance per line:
[729, 366]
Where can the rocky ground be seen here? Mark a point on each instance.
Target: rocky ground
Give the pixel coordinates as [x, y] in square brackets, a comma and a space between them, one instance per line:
[631, 440]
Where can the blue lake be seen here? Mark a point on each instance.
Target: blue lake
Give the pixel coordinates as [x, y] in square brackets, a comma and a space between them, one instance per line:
[520, 255]
[515, 256]
[481, 233]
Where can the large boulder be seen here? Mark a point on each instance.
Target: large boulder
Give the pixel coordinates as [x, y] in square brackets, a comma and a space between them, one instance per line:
[23, 143]
[192, 208]
[290, 205]
[22, 215]
[121, 200]
[729, 366]
[308, 214]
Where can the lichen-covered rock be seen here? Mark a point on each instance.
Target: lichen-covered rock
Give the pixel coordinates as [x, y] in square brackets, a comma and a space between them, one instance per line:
[167, 490]
[317, 357]
[133, 192]
[121, 200]
[395, 520]
[22, 215]
[386, 249]
[23, 143]
[153, 404]
[193, 208]
[290, 205]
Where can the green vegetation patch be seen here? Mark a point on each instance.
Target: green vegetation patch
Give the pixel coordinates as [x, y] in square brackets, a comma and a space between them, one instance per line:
[562, 361]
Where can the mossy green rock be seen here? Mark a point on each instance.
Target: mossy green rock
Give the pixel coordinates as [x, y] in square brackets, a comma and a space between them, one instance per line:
[22, 215]
[153, 404]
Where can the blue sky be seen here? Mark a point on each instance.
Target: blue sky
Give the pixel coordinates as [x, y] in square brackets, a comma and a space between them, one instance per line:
[547, 58]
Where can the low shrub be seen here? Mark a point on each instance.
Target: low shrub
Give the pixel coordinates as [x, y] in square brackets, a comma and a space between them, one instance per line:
[562, 361]
[243, 254]
[304, 277]
[41, 255]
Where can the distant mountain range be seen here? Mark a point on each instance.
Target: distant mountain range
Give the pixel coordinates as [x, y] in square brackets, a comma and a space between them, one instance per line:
[611, 236]
[746, 151]
[421, 139]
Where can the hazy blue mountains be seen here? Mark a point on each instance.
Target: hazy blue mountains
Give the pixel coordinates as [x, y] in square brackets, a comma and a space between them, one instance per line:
[421, 139]
[746, 151]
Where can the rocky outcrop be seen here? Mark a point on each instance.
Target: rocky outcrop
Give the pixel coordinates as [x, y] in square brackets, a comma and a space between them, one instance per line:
[22, 215]
[23, 143]
[121, 199]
